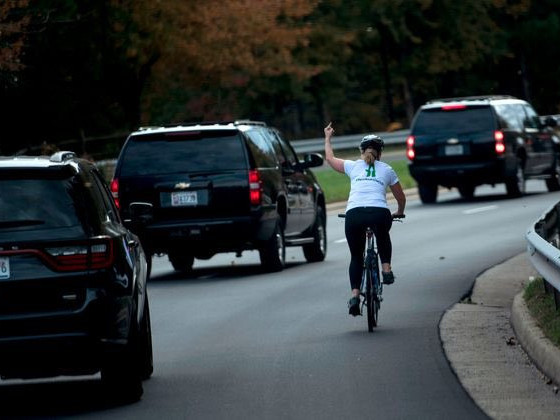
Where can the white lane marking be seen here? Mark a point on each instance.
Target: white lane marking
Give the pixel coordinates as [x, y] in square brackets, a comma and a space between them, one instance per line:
[480, 209]
[339, 241]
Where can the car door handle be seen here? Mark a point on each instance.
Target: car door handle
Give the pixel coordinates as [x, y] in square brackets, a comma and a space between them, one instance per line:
[133, 244]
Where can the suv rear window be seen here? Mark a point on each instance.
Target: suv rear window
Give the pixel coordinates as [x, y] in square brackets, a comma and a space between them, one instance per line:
[464, 120]
[39, 204]
[176, 152]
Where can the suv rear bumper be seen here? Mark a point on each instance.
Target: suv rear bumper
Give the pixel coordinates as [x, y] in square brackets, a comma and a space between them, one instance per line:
[64, 342]
[217, 235]
[453, 175]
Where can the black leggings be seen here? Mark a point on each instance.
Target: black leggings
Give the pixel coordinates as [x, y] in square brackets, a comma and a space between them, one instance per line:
[357, 220]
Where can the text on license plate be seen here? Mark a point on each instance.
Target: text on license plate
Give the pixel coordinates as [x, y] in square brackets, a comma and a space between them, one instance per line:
[4, 268]
[184, 198]
[455, 149]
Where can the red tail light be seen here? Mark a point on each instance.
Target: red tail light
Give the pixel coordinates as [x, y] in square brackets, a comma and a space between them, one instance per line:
[82, 256]
[453, 107]
[255, 187]
[410, 154]
[115, 191]
[500, 145]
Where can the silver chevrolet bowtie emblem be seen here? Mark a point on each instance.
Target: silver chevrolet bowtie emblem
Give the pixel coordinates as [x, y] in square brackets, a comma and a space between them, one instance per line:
[182, 185]
[452, 141]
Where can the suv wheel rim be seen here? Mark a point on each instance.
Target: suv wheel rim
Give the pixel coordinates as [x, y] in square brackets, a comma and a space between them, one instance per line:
[322, 241]
[520, 179]
[280, 247]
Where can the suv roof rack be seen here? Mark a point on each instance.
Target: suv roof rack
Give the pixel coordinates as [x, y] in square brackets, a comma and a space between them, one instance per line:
[249, 122]
[62, 156]
[191, 123]
[472, 98]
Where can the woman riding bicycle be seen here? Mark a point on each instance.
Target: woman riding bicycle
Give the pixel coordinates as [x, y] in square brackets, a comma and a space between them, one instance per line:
[367, 207]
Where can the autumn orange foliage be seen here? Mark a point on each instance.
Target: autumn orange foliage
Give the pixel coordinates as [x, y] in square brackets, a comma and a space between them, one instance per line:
[12, 35]
[218, 44]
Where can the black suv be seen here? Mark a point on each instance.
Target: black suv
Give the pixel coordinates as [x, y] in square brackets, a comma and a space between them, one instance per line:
[206, 188]
[73, 296]
[470, 141]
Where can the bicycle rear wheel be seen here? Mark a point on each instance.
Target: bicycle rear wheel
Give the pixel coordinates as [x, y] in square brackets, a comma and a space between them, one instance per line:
[371, 301]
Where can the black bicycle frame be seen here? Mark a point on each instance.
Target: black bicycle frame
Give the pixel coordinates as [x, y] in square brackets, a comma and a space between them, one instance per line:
[371, 263]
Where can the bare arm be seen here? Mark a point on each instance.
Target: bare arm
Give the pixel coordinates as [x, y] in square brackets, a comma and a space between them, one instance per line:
[335, 163]
[398, 193]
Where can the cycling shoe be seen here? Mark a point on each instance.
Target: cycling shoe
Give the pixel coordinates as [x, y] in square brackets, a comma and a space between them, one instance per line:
[354, 306]
[388, 278]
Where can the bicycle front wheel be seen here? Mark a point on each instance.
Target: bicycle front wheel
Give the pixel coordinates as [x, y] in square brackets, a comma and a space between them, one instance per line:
[371, 301]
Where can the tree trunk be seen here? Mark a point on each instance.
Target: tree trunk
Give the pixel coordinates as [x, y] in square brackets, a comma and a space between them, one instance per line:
[409, 105]
[386, 77]
[524, 78]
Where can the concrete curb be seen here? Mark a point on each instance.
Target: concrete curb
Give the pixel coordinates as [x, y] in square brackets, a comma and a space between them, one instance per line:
[539, 348]
[488, 354]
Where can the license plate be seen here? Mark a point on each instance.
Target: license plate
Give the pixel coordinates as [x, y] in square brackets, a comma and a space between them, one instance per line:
[452, 150]
[4, 268]
[184, 198]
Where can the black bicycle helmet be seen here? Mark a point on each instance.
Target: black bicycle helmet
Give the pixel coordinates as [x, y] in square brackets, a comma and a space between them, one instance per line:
[372, 140]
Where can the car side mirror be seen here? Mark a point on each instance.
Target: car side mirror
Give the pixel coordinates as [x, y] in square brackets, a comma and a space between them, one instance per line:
[312, 160]
[141, 213]
[550, 122]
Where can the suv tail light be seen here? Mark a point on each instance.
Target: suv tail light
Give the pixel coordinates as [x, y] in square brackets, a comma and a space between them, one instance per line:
[410, 154]
[82, 256]
[500, 145]
[115, 191]
[255, 187]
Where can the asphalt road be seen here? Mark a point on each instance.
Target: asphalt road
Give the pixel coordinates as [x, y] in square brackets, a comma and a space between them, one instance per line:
[232, 342]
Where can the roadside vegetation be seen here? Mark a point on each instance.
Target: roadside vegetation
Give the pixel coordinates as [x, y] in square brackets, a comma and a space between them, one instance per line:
[542, 308]
[87, 73]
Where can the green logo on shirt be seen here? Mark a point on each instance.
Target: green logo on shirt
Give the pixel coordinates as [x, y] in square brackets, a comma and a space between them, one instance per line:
[370, 171]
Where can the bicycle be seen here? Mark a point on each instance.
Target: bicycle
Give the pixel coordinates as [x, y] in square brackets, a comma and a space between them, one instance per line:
[371, 287]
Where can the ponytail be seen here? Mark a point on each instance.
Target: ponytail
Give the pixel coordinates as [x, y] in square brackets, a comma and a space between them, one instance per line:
[371, 156]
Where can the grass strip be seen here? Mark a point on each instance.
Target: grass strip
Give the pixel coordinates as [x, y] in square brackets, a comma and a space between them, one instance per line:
[542, 308]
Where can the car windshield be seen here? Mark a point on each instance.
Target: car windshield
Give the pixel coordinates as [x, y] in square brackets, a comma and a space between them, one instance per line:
[457, 120]
[194, 151]
[33, 204]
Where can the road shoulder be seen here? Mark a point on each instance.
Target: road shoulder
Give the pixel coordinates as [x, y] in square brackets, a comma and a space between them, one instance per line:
[483, 351]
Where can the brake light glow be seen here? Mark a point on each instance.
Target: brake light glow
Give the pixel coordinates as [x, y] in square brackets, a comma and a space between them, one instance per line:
[255, 187]
[453, 107]
[500, 145]
[115, 191]
[410, 153]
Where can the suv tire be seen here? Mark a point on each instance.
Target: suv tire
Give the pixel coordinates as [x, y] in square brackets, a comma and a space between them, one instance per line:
[145, 351]
[466, 191]
[180, 261]
[553, 183]
[273, 251]
[428, 193]
[121, 373]
[317, 251]
[515, 185]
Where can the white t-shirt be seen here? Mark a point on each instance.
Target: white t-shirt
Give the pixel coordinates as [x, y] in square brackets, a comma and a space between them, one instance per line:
[368, 184]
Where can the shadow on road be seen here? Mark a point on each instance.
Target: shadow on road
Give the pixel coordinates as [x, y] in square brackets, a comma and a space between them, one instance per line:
[218, 273]
[481, 199]
[52, 399]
